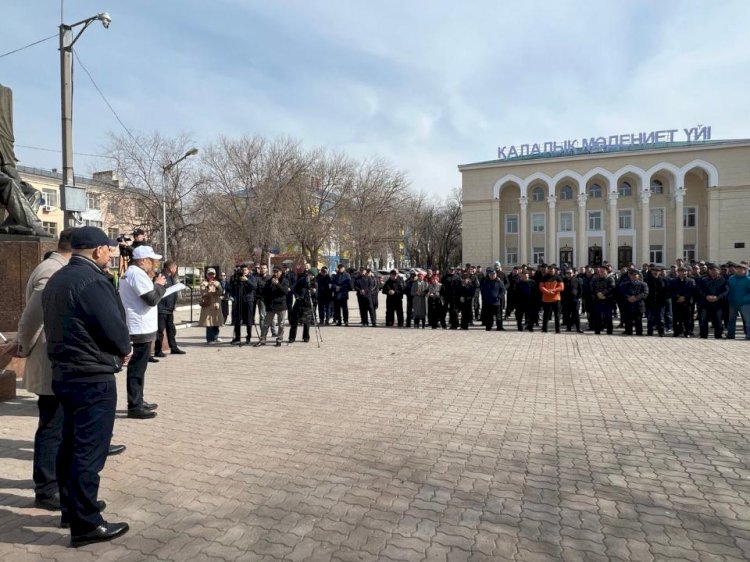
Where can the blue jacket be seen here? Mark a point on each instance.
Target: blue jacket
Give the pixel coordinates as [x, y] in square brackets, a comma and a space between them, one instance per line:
[84, 323]
[739, 290]
[493, 291]
[344, 283]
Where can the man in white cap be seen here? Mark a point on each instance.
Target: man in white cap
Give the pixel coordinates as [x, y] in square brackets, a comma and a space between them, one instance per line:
[140, 297]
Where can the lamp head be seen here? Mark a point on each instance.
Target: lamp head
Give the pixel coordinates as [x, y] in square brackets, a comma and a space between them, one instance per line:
[192, 152]
[105, 19]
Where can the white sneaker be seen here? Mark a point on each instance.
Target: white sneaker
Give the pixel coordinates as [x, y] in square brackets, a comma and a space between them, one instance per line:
[219, 340]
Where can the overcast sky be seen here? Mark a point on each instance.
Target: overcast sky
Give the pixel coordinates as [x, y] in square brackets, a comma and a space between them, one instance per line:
[427, 84]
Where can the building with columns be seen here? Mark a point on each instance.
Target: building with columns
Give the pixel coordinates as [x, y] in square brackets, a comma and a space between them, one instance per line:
[640, 204]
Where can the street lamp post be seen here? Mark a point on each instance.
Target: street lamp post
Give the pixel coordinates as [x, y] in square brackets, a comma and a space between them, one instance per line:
[72, 199]
[192, 152]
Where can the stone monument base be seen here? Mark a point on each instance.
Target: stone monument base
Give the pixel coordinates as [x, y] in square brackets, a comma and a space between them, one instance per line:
[19, 255]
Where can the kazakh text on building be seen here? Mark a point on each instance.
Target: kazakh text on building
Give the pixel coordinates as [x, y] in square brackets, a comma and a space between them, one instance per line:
[608, 143]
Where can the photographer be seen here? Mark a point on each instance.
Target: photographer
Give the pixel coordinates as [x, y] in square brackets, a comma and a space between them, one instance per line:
[243, 287]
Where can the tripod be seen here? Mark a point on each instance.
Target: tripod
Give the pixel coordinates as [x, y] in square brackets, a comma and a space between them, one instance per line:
[316, 325]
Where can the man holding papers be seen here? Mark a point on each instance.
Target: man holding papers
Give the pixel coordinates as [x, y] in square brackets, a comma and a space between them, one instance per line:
[166, 312]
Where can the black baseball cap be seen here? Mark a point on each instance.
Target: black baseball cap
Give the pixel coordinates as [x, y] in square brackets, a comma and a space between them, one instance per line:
[89, 237]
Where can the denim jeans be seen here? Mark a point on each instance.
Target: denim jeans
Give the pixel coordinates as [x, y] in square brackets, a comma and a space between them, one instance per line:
[744, 311]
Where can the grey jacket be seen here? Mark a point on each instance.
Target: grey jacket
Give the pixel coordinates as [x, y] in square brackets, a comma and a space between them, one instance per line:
[32, 344]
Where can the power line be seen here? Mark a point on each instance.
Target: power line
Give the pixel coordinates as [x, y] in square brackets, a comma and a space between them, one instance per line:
[45, 149]
[27, 46]
[109, 105]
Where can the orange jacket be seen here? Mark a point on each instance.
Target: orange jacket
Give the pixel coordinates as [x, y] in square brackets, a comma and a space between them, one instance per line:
[551, 290]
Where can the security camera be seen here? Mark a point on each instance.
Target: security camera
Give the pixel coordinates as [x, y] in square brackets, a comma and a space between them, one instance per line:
[105, 19]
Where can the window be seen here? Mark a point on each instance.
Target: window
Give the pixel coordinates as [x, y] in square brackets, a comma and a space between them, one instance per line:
[566, 222]
[625, 219]
[50, 197]
[93, 201]
[97, 224]
[511, 224]
[595, 191]
[656, 255]
[566, 192]
[625, 190]
[50, 227]
[113, 233]
[688, 217]
[538, 255]
[537, 194]
[657, 187]
[595, 220]
[657, 219]
[511, 256]
[688, 252]
[537, 222]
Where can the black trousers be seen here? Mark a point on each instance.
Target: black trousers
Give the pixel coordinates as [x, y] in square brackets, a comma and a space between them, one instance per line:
[453, 308]
[409, 310]
[166, 323]
[571, 316]
[88, 420]
[341, 310]
[632, 316]
[247, 311]
[394, 305]
[324, 311]
[712, 312]
[527, 313]
[551, 308]
[366, 306]
[492, 314]
[466, 308]
[137, 374]
[682, 318]
[46, 444]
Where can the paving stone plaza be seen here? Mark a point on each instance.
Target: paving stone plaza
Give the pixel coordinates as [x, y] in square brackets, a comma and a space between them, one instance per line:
[388, 444]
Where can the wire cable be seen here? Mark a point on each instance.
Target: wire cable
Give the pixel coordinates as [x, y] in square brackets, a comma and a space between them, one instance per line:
[29, 45]
[109, 105]
[57, 150]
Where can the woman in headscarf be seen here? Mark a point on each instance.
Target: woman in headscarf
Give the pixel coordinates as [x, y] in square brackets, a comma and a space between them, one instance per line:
[419, 304]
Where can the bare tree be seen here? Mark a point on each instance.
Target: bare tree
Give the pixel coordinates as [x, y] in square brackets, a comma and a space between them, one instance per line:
[140, 161]
[247, 183]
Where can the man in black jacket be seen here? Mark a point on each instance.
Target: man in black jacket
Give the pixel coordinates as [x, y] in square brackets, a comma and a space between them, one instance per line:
[166, 308]
[656, 302]
[634, 293]
[274, 297]
[243, 286]
[365, 286]
[571, 298]
[325, 302]
[341, 284]
[682, 291]
[712, 291]
[393, 289]
[87, 343]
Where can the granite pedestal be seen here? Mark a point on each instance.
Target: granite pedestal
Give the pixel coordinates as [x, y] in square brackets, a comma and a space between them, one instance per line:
[19, 255]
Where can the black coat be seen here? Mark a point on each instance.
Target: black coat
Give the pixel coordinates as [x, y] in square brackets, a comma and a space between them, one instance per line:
[274, 295]
[167, 304]
[247, 287]
[342, 281]
[679, 288]
[84, 323]
[325, 287]
[658, 291]
[397, 286]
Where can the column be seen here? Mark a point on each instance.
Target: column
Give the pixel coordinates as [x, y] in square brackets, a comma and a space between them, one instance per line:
[497, 225]
[611, 256]
[582, 257]
[523, 230]
[713, 227]
[551, 250]
[679, 240]
[645, 252]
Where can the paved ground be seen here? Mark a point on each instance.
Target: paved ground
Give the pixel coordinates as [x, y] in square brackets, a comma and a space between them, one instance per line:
[389, 444]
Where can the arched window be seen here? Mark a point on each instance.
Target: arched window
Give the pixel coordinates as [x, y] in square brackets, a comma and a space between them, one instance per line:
[566, 192]
[595, 191]
[537, 194]
[657, 187]
[625, 190]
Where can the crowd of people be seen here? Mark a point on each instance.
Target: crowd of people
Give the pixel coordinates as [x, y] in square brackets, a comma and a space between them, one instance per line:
[668, 301]
[81, 325]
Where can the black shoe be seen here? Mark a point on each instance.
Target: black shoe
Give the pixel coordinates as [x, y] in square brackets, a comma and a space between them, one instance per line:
[141, 414]
[346, 324]
[290, 341]
[152, 359]
[104, 532]
[160, 354]
[150, 406]
[278, 343]
[306, 340]
[65, 524]
[501, 329]
[338, 323]
[235, 341]
[115, 450]
[579, 331]
[50, 503]
[247, 340]
[258, 344]
[178, 351]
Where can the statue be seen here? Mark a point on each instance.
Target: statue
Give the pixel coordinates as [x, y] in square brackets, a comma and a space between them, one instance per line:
[19, 198]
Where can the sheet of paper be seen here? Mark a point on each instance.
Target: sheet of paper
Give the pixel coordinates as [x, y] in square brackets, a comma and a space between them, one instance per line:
[174, 289]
